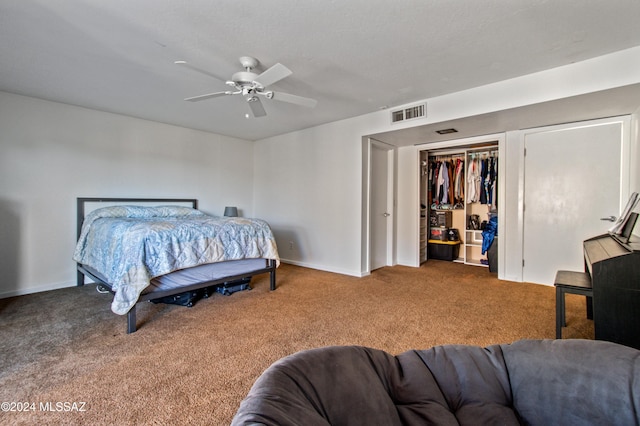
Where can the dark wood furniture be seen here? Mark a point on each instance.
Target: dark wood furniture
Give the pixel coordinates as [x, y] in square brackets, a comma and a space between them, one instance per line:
[611, 283]
[574, 283]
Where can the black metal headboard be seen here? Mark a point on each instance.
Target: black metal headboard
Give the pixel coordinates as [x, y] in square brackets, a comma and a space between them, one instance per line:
[82, 201]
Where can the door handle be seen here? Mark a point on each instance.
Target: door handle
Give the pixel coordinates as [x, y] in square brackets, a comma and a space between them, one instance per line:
[610, 218]
[386, 214]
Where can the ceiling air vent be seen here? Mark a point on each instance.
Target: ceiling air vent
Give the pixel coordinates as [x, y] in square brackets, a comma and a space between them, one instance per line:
[410, 113]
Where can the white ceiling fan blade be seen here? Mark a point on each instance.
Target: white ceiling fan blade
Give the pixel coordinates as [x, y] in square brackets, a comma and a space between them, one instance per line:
[196, 69]
[256, 106]
[207, 96]
[273, 75]
[294, 99]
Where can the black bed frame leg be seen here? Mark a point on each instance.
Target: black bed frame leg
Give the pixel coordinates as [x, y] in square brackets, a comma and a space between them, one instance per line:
[79, 279]
[131, 320]
[272, 274]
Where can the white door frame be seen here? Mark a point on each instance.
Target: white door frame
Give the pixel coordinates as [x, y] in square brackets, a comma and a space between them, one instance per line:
[501, 139]
[391, 204]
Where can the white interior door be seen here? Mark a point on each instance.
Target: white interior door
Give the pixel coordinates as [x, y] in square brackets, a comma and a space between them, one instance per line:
[380, 207]
[574, 176]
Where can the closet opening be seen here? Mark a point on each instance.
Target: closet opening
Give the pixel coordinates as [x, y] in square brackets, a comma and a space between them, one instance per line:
[459, 204]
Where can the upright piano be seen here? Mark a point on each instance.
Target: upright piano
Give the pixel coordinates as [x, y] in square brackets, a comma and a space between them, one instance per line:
[613, 266]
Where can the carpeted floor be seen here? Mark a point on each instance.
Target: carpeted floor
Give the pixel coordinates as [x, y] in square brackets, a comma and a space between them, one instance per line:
[66, 359]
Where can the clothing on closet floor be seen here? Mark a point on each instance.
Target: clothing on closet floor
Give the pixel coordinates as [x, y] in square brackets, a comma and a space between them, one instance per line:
[489, 233]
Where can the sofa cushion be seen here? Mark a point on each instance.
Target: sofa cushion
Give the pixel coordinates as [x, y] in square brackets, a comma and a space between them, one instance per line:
[574, 382]
[472, 383]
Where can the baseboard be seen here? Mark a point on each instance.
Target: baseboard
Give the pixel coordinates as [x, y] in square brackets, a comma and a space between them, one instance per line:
[36, 289]
[322, 268]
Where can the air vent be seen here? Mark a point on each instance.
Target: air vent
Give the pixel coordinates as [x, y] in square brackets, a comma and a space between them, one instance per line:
[410, 113]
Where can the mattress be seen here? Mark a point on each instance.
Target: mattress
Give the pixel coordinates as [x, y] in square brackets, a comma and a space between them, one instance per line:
[204, 273]
[197, 274]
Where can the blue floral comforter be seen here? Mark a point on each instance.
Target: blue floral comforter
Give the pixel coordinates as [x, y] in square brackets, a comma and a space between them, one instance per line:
[130, 245]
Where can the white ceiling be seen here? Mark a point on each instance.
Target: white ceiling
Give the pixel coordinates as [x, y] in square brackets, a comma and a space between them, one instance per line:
[353, 56]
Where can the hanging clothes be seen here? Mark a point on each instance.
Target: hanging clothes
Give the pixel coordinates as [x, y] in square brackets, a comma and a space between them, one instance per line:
[473, 181]
[494, 184]
[459, 184]
[491, 180]
[443, 184]
[434, 166]
[484, 180]
[451, 172]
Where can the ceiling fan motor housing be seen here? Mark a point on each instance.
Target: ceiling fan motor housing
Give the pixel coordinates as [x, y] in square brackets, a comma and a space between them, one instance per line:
[244, 77]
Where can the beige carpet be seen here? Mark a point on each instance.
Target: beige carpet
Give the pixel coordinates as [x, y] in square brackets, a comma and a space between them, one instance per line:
[194, 365]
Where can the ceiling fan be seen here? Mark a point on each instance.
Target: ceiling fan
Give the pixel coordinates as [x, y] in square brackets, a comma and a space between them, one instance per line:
[252, 85]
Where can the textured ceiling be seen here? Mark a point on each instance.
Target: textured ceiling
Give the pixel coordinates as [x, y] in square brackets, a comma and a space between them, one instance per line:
[353, 56]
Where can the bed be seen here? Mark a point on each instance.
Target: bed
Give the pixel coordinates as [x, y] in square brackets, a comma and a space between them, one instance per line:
[141, 249]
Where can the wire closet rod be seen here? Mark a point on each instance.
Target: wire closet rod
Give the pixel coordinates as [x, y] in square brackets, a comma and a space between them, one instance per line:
[492, 153]
[463, 151]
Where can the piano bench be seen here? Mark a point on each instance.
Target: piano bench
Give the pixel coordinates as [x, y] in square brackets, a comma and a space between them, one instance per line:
[574, 283]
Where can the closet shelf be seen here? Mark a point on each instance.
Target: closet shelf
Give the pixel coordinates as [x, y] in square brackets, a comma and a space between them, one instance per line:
[476, 262]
